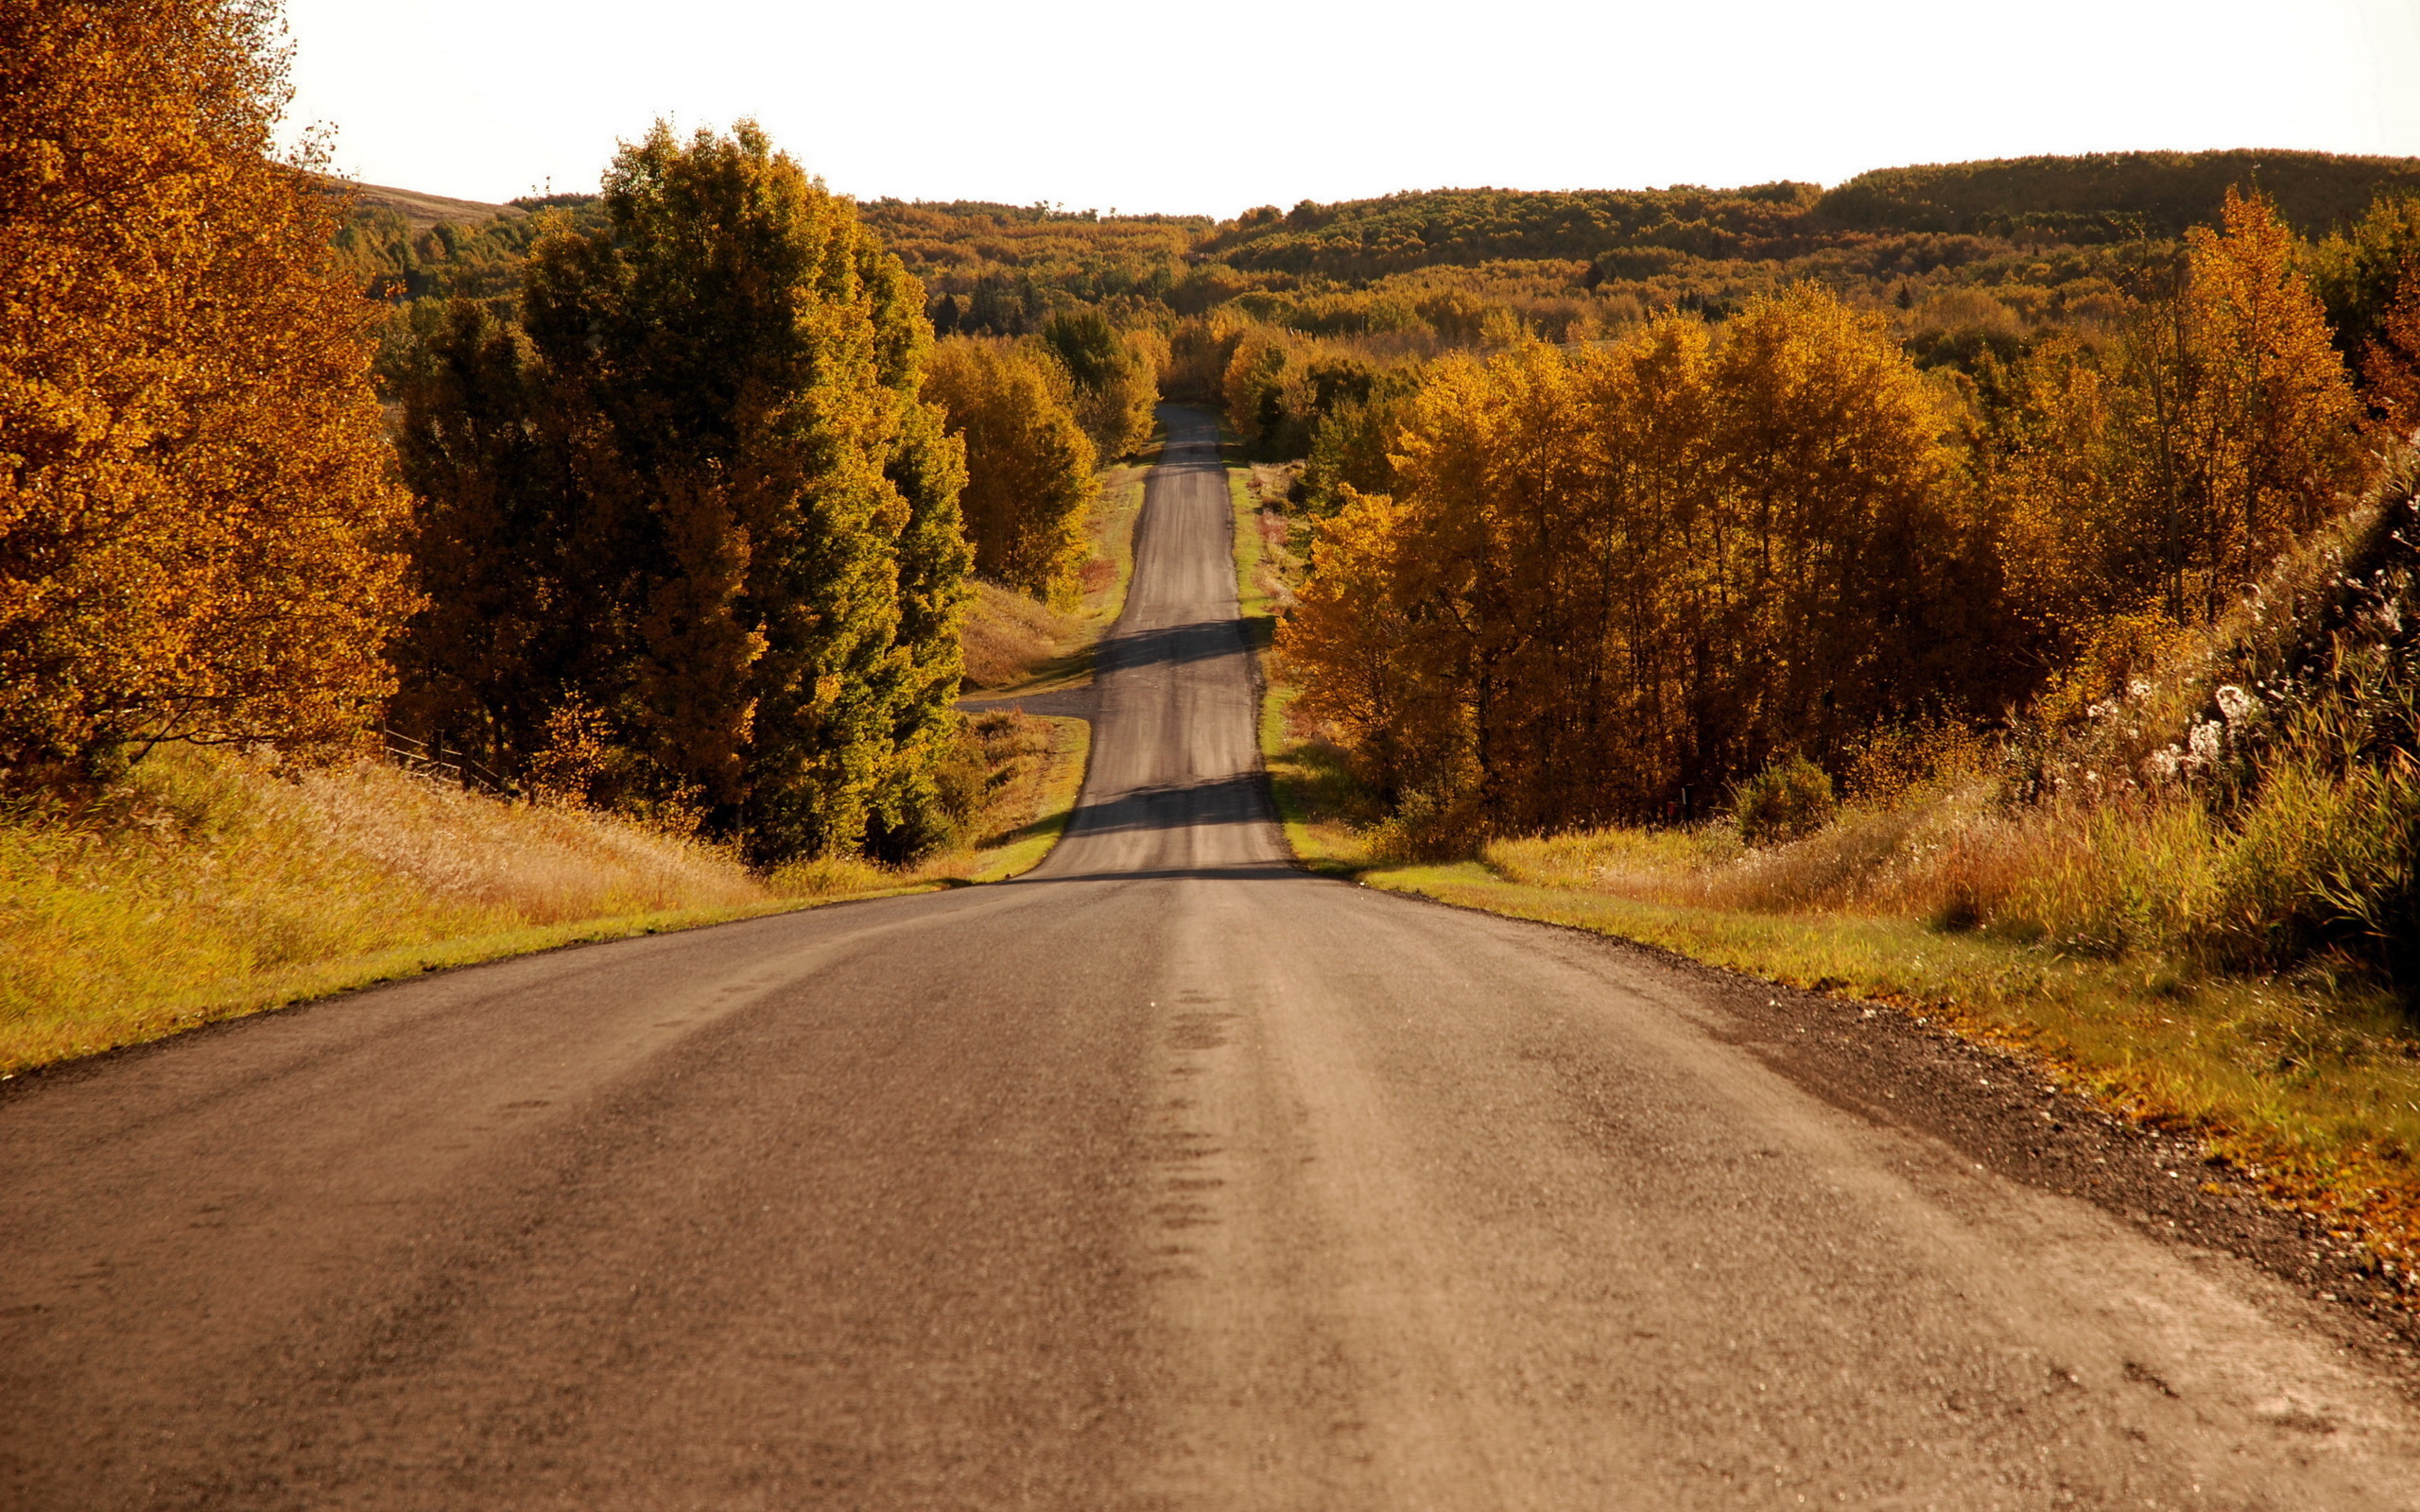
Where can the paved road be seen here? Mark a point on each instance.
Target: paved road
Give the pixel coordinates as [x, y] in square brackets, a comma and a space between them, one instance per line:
[1168, 1178]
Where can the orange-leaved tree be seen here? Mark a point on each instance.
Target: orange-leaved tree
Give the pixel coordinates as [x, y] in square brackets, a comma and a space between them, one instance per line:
[196, 515]
[2235, 416]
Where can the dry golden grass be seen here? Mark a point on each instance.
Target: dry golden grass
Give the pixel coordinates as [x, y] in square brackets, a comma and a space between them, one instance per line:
[1011, 638]
[538, 864]
[210, 885]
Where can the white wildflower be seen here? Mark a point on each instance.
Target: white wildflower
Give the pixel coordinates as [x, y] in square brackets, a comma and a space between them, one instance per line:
[2163, 764]
[2203, 742]
[2138, 689]
[2238, 706]
[2102, 710]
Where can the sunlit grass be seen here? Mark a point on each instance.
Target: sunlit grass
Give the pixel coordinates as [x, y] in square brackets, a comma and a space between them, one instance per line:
[209, 887]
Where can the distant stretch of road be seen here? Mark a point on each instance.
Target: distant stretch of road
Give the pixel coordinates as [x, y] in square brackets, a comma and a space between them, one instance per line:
[1168, 1176]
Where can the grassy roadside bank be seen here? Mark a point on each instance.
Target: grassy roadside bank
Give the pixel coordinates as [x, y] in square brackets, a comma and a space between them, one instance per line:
[2309, 1086]
[211, 886]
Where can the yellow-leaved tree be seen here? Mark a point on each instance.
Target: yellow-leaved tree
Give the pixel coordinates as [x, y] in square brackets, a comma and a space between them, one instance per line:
[1029, 464]
[195, 510]
[1612, 580]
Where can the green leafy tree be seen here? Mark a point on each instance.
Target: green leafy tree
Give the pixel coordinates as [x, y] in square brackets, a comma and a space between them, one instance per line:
[1116, 374]
[507, 620]
[714, 443]
[2357, 271]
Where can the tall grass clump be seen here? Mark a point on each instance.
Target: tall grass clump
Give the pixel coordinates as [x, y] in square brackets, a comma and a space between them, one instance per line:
[1790, 798]
[210, 884]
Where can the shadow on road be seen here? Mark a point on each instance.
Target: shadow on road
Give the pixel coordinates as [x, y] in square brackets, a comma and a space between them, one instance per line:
[1202, 640]
[1239, 800]
[1232, 871]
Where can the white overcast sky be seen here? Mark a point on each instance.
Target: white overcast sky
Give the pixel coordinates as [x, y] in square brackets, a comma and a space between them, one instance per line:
[1214, 108]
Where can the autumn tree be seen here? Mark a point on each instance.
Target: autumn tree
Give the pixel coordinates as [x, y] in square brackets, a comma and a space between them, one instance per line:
[2391, 361]
[1830, 464]
[1265, 389]
[2065, 528]
[1030, 467]
[1354, 630]
[2277, 406]
[195, 521]
[728, 522]
[2232, 418]
[1116, 375]
[1608, 576]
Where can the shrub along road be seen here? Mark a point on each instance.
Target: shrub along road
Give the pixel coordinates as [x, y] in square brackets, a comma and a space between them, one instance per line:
[1167, 1177]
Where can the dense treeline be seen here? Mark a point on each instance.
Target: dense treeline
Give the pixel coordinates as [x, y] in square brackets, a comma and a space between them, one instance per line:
[2115, 195]
[1373, 237]
[1004, 270]
[1608, 577]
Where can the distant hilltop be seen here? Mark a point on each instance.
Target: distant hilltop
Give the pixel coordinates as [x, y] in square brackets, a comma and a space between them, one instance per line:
[2036, 234]
[2087, 197]
[2157, 193]
[420, 212]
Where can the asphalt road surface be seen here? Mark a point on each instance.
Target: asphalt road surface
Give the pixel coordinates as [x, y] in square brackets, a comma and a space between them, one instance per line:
[1168, 1176]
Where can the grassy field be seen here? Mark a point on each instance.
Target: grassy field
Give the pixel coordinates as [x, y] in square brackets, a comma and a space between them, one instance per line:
[2306, 1082]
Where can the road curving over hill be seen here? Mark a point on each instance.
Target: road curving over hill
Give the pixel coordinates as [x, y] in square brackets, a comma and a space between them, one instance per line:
[1167, 1177]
